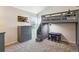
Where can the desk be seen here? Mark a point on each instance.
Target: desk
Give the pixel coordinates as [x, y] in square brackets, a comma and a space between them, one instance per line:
[54, 36]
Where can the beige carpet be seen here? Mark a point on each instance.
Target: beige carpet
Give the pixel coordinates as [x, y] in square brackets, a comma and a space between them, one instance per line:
[44, 46]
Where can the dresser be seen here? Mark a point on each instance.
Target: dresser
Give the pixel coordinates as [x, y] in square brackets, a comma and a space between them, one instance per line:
[24, 33]
[2, 48]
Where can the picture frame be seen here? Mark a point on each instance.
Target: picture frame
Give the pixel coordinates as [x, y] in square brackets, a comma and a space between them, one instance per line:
[22, 18]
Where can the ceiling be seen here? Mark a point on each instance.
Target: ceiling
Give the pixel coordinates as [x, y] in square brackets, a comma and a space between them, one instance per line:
[38, 9]
[32, 9]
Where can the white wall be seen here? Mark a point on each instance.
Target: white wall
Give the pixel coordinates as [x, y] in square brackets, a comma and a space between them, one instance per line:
[68, 30]
[9, 23]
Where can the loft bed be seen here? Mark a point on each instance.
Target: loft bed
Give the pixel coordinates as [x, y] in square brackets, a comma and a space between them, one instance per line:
[69, 16]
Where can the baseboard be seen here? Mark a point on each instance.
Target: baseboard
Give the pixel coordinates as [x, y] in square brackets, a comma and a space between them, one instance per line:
[11, 43]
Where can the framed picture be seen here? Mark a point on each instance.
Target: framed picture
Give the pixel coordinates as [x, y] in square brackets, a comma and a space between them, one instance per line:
[22, 19]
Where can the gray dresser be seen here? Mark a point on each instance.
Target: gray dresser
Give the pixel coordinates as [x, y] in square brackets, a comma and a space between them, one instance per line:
[24, 33]
[2, 48]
